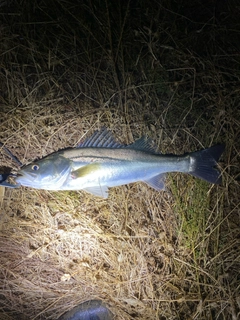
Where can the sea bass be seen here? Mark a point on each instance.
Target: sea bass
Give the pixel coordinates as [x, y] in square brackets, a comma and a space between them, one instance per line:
[101, 162]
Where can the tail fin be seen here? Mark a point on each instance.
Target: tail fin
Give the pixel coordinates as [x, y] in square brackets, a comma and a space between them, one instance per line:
[203, 163]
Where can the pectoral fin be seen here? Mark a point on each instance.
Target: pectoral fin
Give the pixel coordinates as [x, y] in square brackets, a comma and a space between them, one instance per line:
[85, 170]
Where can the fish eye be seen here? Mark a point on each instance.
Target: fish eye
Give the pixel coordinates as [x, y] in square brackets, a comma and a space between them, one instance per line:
[35, 167]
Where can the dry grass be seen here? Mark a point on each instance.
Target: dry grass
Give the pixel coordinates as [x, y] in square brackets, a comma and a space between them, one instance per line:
[68, 69]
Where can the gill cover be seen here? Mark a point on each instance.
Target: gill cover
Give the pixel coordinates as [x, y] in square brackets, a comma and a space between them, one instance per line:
[48, 173]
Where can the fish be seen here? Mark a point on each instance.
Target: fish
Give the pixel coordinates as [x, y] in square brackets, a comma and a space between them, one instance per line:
[100, 162]
[89, 310]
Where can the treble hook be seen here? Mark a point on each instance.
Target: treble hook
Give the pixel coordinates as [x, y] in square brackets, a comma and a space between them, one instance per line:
[4, 176]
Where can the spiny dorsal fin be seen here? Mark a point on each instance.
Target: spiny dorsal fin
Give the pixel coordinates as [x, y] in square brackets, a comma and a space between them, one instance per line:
[104, 139]
[101, 139]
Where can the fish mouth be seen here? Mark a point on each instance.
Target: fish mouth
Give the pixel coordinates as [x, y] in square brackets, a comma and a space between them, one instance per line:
[26, 174]
[22, 176]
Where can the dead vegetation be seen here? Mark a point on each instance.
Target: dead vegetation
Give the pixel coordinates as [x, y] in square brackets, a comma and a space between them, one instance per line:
[167, 71]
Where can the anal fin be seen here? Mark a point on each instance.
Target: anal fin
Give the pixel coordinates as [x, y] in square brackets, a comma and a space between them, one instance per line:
[157, 182]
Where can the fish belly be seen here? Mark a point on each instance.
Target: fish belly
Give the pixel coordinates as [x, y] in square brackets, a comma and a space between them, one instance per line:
[112, 174]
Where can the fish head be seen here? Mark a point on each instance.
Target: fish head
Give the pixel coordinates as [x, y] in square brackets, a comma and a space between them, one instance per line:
[48, 173]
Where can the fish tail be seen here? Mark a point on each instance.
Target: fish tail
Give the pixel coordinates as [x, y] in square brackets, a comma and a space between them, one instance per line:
[203, 163]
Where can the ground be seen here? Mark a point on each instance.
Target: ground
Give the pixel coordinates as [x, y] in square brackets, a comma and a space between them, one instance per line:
[167, 70]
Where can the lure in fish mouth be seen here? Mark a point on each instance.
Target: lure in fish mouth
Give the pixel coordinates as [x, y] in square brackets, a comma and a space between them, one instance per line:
[101, 162]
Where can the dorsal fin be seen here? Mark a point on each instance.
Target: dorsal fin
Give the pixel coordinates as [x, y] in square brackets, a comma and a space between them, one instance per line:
[101, 139]
[104, 139]
[143, 144]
